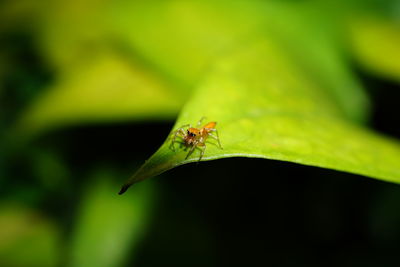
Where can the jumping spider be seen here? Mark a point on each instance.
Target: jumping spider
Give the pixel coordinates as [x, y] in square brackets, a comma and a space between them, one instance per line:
[195, 137]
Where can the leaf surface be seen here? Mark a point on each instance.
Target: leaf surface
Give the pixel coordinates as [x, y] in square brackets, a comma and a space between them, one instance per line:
[267, 106]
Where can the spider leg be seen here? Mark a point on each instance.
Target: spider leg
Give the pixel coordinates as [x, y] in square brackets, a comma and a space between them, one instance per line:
[179, 132]
[180, 129]
[171, 146]
[184, 126]
[215, 137]
[202, 152]
[191, 150]
[199, 122]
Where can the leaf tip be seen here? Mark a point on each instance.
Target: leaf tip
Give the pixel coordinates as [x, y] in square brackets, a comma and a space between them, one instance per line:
[124, 188]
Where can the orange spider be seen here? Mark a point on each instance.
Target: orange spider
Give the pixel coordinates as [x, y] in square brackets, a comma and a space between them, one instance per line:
[195, 137]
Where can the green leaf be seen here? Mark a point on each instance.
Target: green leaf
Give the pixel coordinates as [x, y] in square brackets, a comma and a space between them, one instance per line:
[375, 43]
[267, 106]
[105, 88]
[137, 76]
[196, 33]
[28, 238]
[108, 227]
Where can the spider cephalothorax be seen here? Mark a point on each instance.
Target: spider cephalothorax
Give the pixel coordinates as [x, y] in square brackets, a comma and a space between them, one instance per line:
[195, 137]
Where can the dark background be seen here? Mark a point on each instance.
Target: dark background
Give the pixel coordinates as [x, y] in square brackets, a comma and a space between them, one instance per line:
[244, 212]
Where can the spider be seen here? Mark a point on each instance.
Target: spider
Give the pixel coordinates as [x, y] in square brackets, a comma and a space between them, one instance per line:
[195, 137]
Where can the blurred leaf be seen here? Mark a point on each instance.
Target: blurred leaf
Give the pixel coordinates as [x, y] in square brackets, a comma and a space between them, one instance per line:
[106, 88]
[267, 106]
[109, 227]
[51, 171]
[85, 34]
[375, 43]
[130, 60]
[181, 38]
[27, 239]
[20, 15]
[95, 78]
[196, 33]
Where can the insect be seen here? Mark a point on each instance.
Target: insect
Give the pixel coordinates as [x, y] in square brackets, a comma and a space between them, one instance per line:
[195, 137]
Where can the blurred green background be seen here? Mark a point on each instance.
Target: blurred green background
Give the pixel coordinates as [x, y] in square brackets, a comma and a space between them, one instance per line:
[90, 89]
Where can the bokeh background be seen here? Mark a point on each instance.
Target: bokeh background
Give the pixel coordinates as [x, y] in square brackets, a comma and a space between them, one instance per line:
[91, 88]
